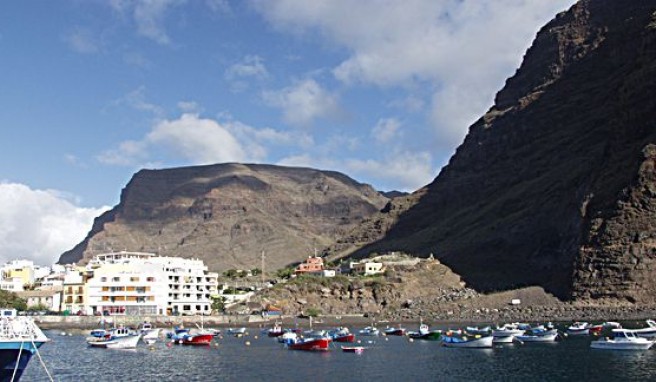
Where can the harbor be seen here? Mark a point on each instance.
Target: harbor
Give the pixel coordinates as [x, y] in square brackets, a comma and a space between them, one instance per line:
[256, 356]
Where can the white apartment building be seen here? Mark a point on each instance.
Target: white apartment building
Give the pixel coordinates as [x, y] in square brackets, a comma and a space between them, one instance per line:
[138, 283]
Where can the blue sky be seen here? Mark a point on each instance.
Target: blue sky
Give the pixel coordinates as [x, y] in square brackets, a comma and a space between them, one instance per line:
[93, 91]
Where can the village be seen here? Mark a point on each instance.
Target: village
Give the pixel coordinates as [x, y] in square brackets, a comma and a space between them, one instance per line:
[144, 284]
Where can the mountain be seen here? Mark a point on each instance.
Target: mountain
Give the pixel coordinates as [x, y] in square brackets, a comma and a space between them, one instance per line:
[229, 214]
[555, 185]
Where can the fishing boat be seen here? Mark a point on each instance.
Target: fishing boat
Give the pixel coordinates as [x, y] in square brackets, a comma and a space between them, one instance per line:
[237, 331]
[353, 349]
[424, 333]
[392, 331]
[578, 329]
[311, 344]
[20, 339]
[506, 333]
[622, 339]
[341, 335]
[599, 328]
[476, 330]
[117, 338]
[648, 332]
[196, 337]
[468, 342]
[538, 335]
[369, 331]
[275, 331]
[149, 334]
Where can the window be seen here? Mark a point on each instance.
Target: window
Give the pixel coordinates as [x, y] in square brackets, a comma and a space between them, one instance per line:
[150, 279]
[134, 279]
[103, 279]
[116, 279]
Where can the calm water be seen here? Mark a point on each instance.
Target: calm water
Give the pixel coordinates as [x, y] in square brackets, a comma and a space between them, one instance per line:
[68, 358]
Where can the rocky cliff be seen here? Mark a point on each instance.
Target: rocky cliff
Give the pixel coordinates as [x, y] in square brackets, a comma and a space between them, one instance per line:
[555, 184]
[229, 214]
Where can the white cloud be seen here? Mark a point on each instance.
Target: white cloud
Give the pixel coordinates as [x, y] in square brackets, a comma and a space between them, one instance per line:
[469, 46]
[40, 225]
[82, 41]
[201, 141]
[195, 140]
[386, 129]
[403, 169]
[304, 102]
[251, 67]
[148, 15]
[136, 99]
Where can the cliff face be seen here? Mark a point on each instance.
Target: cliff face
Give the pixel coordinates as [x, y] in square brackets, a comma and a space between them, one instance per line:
[554, 185]
[229, 214]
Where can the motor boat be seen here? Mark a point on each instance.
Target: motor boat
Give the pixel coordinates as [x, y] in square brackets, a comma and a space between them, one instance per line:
[622, 339]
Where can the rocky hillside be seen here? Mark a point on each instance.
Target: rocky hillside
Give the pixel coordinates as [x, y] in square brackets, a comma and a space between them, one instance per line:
[228, 214]
[555, 184]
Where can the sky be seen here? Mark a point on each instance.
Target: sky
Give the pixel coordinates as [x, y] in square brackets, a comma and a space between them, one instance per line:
[91, 91]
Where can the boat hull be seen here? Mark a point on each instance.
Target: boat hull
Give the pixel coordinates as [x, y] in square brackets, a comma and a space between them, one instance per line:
[538, 338]
[9, 352]
[345, 338]
[477, 343]
[353, 349]
[316, 344]
[199, 339]
[431, 336]
[613, 345]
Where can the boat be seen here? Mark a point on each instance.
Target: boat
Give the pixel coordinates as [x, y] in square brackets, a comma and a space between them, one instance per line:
[506, 333]
[538, 335]
[276, 331]
[237, 331]
[599, 328]
[578, 329]
[117, 338]
[149, 334]
[353, 349]
[288, 337]
[392, 331]
[341, 335]
[311, 344]
[369, 331]
[622, 339]
[424, 333]
[469, 342]
[20, 339]
[476, 330]
[648, 332]
[200, 336]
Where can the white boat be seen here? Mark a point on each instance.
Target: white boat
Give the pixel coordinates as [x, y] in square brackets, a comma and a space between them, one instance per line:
[475, 342]
[622, 339]
[648, 332]
[506, 333]
[20, 339]
[237, 331]
[539, 336]
[579, 329]
[149, 334]
[477, 330]
[369, 331]
[118, 338]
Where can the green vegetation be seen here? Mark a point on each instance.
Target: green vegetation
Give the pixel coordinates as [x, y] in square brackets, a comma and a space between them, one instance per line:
[284, 273]
[218, 304]
[313, 312]
[10, 300]
[38, 307]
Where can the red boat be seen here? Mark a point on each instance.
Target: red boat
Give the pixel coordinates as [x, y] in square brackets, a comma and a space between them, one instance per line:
[347, 337]
[198, 339]
[315, 344]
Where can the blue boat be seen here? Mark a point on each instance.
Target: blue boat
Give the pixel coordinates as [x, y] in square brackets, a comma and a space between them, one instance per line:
[20, 338]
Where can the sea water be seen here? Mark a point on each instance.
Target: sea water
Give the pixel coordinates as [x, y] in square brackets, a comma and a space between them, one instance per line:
[69, 358]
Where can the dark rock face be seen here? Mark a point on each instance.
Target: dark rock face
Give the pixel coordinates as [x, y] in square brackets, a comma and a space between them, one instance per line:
[554, 185]
[229, 214]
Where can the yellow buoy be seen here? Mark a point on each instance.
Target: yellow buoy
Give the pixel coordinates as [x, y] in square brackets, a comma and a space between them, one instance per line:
[247, 343]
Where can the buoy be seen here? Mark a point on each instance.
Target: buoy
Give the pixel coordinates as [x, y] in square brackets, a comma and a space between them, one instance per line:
[255, 337]
[216, 344]
[169, 344]
[386, 339]
[151, 348]
[70, 334]
[359, 341]
[247, 343]
[411, 340]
